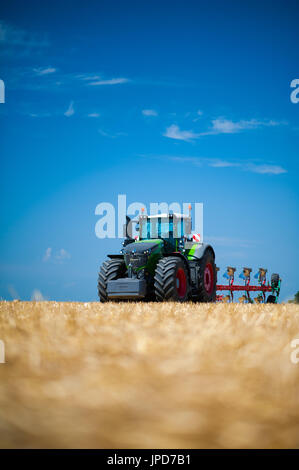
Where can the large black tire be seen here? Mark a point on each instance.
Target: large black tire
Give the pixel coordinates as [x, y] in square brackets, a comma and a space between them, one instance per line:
[271, 299]
[207, 278]
[110, 270]
[171, 280]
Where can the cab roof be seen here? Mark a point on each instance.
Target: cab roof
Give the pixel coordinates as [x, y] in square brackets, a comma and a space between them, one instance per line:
[165, 216]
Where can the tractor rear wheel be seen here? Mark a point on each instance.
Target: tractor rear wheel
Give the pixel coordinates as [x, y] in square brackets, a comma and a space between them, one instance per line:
[207, 278]
[110, 270]
[171, 280]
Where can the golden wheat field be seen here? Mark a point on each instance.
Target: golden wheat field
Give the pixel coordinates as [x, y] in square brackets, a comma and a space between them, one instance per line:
[148, 375]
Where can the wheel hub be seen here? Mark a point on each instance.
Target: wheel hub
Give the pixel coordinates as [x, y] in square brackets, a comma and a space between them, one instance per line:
[208, 278]
[181, 283]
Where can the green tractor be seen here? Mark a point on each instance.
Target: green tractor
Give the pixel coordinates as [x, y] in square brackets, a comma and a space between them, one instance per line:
[165, 262]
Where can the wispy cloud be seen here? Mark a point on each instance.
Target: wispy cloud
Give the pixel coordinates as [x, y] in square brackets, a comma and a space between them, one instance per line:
[226, 126]
[249, 166]
[44, 71]
[110, 135]
[93, 115]
[47, 254]
[70, 111]
[174, 132]
[88, 77]
[199, 114]
[219, 126]
[266, 169]
[215, 163]
[104, 133]
[149, 112]
[95, 79]
[37, 296]
[19, 41]
[54, 79]
[193, 160]
[39, 115]
[62, 255]
[111, 81]
[12, 291]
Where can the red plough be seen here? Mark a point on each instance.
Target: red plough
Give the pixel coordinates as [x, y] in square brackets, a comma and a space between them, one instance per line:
[262, 286]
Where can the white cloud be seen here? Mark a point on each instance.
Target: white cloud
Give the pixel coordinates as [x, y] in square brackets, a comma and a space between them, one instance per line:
[199, 161]
[88, 77]
[18, 40]
[222, 163]
[37, 296]
[199, 113]
[226, 126]
[251, 167]
[70, 111]
[44, 71]
[149, 112]
[39, 115]
[62, 255]
[110, 135]
[93, 115]
[104, 133]
[11, 289]
[219, 126]
[266, 169]
[195, 161]
[174, 132]
[47, 254]
[111, 81]
[262, 169]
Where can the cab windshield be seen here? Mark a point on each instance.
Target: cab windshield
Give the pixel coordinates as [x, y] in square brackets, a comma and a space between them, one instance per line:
[161, 228]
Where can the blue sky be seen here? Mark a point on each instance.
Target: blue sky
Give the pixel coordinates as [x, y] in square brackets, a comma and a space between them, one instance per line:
[161, 101]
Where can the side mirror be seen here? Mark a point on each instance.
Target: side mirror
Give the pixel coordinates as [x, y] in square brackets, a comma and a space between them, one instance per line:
[127, 230]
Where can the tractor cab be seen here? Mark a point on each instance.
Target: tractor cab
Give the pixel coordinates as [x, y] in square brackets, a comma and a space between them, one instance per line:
[172, 228]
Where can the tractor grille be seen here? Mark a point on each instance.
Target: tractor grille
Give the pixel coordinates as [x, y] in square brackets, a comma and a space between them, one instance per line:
[136, 261]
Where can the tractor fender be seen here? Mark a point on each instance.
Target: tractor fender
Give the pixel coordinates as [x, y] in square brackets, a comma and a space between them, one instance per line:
[201, 249]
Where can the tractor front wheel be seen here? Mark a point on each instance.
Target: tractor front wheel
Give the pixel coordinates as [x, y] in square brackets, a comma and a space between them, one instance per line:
[110, 270]
[171, 280]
